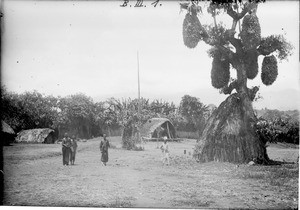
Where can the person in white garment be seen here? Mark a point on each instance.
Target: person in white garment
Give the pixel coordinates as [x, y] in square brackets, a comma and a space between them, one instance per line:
[165, 150]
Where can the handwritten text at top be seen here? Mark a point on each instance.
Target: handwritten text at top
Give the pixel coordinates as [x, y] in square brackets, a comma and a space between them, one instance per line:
[139, 3]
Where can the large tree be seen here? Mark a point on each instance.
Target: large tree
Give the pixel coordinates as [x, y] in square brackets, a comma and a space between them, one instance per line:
[194, 112]
[76, 115]
[130, 118]
[28, 110]
[230, 133]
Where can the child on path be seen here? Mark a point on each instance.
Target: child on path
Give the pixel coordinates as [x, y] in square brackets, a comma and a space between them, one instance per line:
[165, 150]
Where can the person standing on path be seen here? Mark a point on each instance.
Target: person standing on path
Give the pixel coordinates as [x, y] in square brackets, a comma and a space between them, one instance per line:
[104, 144]
[73, 149]
[66, 150]
[165, 150]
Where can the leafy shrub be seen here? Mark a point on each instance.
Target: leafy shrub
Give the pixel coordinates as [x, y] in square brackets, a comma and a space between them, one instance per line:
[278, 130]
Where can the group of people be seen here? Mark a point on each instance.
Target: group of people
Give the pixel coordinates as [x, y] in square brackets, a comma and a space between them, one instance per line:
[69, 147]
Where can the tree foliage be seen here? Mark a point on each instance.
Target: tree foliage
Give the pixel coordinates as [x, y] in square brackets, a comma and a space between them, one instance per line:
[276, 44]
[76, 114]
[194, 112]
[278, 126]
[79, 115]
[12, 111]
[278, 130]
[28, 110]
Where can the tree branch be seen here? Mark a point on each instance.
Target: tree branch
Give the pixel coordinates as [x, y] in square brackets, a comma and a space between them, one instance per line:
[235, 42]
[252, 92]
[234, 22]
[274, 43]
[227, 52]
[228, 89]
[184, 5]
[194, 9]
[264, 52]
[237, 16]
[224, 50]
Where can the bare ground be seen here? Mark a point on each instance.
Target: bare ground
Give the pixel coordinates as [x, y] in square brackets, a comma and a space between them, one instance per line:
[34, 176]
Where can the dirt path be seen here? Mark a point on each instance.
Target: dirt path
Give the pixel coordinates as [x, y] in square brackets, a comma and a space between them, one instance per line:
[34, 175]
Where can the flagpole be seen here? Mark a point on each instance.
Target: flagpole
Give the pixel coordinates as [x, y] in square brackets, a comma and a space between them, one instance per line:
[138, 64]
[139, 97]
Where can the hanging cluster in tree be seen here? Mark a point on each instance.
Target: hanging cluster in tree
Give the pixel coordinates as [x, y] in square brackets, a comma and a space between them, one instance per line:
[220, 72]
[251, 63]
[190, 30]
[250, 34]
[269, 70]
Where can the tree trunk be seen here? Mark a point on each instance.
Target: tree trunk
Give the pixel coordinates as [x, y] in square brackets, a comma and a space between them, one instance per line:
[128, 139]
[230, 134]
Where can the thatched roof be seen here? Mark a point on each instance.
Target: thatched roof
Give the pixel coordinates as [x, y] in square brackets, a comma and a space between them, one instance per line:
[152, 124]
[33, 135]
[6, 128]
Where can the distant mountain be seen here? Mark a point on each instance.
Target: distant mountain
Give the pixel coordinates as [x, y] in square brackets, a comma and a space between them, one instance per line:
[284, 100]
[269, 114]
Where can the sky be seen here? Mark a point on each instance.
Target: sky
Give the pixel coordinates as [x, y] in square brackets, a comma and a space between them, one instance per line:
[68, 47]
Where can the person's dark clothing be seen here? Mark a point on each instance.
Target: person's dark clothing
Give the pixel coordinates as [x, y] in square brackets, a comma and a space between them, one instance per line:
[73, 151]
[104, 151]
[66, 150]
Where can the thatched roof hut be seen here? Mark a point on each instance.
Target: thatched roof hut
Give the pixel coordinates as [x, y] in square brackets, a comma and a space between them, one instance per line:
[6, 128]
[40, 135]
[158, 127]
[7, 134]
